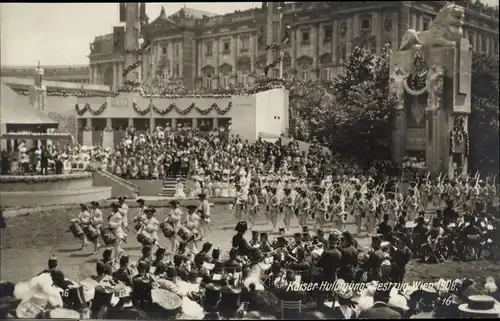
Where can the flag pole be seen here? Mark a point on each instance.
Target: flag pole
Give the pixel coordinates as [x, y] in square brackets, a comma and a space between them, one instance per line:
[281, 44]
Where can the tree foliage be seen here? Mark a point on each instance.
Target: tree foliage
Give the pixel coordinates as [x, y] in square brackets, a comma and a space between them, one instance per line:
[359, 125]
[484, 117]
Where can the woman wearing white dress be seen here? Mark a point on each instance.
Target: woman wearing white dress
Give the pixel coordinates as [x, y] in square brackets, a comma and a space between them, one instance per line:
[232, 189]
[115, 224]
[174, 219]
[225, 189]
[84, 220]
[179, 190]
[195, 189]
[217, 188]
[280, 192]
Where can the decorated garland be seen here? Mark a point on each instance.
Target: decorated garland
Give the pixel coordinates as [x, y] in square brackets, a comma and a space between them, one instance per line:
[275, 62]
[186, 111]
[141, 112]
[131, 67]
[45, 178]
[86, 108]
[226, 93]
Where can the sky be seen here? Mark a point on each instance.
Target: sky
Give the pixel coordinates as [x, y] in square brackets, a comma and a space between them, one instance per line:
[60, 33]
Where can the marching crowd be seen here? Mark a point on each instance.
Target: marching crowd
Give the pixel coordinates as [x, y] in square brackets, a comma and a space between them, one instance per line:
[261, 278]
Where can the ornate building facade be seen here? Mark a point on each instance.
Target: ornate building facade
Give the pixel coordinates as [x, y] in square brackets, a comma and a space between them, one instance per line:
[199, 50]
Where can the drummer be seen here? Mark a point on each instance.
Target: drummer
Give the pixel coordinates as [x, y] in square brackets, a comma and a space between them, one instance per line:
[96, 220]
[150, 225]
[84, 220]
[174, 219]
[115, 224]
[124, 212]
[141, 215]
[204, 210]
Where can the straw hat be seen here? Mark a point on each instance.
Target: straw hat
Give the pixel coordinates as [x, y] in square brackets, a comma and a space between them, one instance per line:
[60, 313]
[480, 306]
[32, 307]
[166, 299]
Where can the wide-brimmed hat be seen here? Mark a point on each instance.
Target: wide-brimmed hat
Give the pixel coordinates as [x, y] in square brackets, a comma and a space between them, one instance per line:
[61, 313]
[32, 307]
[122, 198]
[202, 195]
[140, 201]
[480, 306]
[95, 203]
[166, 299]
[191, 207]
[149, 210]
[174, 202]
[242, 226]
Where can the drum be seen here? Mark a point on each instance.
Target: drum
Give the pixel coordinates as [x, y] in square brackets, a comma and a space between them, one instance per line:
[91, 232]
[167, 230]
[108, 236]
[145, 240]
[185, 234]
[138, 226]
[76, 229]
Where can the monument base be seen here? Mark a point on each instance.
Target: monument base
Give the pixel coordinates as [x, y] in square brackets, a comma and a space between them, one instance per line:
[23, 191]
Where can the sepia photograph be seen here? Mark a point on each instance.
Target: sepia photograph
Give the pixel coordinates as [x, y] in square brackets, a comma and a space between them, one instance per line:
[249, 160]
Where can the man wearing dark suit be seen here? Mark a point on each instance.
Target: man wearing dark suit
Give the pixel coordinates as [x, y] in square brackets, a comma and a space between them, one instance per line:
[349, 261]
[375, 259]
[449, 214]
[330, 260]
[380, 309]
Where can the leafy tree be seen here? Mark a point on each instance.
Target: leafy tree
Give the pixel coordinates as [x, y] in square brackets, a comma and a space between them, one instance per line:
[359, 123]
[484, 117]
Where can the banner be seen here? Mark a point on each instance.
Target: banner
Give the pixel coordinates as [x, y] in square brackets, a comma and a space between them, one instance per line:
[118, 39]
[123, 12]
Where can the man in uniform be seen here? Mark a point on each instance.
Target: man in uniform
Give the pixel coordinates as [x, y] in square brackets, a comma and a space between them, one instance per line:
[52, 265]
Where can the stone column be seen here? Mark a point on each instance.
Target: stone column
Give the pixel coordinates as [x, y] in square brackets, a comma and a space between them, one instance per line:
[335, 27]
[414, 21]
[130, 122]
[95, 75]
[107, 135]
[234, 54]
[314, 48]
[403, 25]
[87, 134]
[174, 123]
[90, 74]
[349, 37]
[293, 53]
[217, 54]
[355, 24]
[115, 76]
[151, 123]
[252, 44]
[195, 122]
[215, 122]
[420, 23]
[200, 54]
[378, 29]
[120, 74]
[180, 59]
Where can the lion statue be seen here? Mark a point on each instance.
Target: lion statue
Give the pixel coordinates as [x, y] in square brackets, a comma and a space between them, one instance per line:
[445, 30]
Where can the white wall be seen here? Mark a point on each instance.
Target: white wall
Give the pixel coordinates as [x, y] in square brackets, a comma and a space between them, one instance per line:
[244, 117]
[272, 111]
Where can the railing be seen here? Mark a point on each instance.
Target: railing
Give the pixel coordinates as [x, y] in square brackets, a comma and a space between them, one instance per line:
[119, 180]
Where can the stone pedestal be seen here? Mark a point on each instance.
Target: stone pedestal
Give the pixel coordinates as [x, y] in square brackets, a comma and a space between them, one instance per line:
[447, 71]
[108, 139]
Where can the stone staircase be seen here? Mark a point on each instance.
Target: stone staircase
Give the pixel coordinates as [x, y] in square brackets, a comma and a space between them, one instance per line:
[168, 189]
